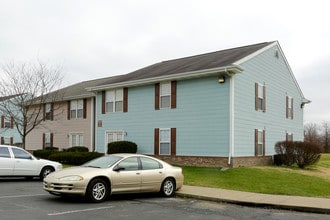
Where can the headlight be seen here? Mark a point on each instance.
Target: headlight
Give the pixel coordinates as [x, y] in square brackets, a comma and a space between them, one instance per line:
[72, 178]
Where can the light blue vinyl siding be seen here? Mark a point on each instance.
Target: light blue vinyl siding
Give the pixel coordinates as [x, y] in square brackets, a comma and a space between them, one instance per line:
[201, 118]
[273, 72]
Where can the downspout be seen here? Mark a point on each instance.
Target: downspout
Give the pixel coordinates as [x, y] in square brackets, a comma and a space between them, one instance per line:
[231, 116]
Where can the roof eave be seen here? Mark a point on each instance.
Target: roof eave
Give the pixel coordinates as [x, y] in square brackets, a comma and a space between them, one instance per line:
[227, 70]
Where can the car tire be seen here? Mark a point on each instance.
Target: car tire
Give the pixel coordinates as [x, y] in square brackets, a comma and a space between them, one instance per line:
[97, 190]
[168, 187]
[45, 171]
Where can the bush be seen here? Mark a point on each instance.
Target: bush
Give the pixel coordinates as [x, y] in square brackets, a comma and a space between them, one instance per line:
[74, 158]
[296, 152]
[45, 153]
[122, 147]
[77, 149]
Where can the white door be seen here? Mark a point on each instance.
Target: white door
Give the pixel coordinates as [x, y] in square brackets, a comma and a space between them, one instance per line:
[112, 136]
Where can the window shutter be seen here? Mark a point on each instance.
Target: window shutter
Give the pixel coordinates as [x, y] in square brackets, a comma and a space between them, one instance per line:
[173, 141]
[255, 142]
[287, 107]
[44, 112]
[156, 142]
[85, 108]
[51, 139]
[69, 109]
[103, 102]
[263, 142]
[291, 108]
[52, 111]
[2, 140]
[43, 140]
[173, 94]
[157, 94]
[12, 122]
[264, 99]
[286, 137]
[256, 96]
[11, 141]
[2, 121]
[125, 101]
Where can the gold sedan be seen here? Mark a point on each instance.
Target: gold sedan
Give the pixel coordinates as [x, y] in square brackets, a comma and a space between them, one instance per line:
[115, 174]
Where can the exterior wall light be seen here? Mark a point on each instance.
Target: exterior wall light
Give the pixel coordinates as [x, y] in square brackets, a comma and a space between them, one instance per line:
[221, 79]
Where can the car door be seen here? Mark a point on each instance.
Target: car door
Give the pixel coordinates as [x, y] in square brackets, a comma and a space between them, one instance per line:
[6, 162]
[126, 176]
[152, 174]
[25, 164]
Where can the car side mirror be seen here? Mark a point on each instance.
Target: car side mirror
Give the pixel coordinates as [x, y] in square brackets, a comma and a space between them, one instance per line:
[118, 168]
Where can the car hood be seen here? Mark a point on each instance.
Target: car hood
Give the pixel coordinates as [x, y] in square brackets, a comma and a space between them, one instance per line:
[72, 171]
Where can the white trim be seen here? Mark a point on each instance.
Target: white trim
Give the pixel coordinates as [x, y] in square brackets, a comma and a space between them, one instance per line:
[169, 141]
[106, 140]
[231, 119]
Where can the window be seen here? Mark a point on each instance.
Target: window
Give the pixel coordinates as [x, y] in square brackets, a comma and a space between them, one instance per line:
[76, 139]
[7, 122]
[113, 136]
[289, 137]
[260, 97]
[7, 140]
[114, 100]
[129, 164]
[76, 108]
[48, 111]
[259, 142]
[20, 154]
[47, 140]
[165, 141]
[289, 107]
[165, 95]
[4, 152]
[149, 164]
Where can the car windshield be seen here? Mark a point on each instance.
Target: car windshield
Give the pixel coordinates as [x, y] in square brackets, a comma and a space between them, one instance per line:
[102, 162]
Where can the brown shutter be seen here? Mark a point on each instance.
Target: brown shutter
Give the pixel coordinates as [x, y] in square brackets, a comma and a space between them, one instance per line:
[291, 108]
[43, 140]
[287, 107]
[52, 111]
[103, 102]
[125, 104]
[156, 141]
[256, 96]
[51, 139]
[44, 112]
[255, 142]
[173, 94]
[85, 108]
[173, 141]
[2, 140]
[263, 142]
[264, 99]
[157, 95]
[12, 122]
[69, 109]
[2, 121]
[11, 141]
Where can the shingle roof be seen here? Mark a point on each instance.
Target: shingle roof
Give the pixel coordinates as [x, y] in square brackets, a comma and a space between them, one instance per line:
[216, 59]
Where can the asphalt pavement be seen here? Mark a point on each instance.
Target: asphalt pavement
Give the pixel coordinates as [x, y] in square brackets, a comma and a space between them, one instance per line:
[297, 203]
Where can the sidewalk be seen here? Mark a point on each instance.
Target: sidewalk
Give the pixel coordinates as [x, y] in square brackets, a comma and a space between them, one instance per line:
[298, 203]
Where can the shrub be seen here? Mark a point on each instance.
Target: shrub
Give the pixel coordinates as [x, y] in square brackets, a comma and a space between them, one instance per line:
[296, 152]
[45, 153]
[74, 158]
[77, 149]
[122, 147]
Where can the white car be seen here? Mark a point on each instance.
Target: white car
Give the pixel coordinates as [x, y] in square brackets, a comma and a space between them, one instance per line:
[16, 162]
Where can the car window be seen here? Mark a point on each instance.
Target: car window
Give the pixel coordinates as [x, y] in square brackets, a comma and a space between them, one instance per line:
[20, 154]
[102, 162]
[130, 163]
[4, 152]
[150, 164]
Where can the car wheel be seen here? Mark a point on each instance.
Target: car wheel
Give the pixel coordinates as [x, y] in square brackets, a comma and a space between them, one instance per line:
[168, 187]
[97, 190]
[45, 171]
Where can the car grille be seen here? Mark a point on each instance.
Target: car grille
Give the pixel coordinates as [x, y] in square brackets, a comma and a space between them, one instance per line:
[58, 186]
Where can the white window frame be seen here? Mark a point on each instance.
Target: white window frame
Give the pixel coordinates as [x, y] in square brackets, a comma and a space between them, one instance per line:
[289, 136]
[117, 135]
[6, 140]
[260, 96]
[114, 100]
[290, 107]
[76, 142]
[260, 143]
[76, 108]
[164, 140]
[47, 140]
[7, 122]
[165, 95]
[48, 110]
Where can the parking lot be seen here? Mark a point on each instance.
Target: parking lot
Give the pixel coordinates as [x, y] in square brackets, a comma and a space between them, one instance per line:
[25, 199]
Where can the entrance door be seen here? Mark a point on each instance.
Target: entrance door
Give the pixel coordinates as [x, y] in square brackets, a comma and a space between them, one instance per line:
[113, 136]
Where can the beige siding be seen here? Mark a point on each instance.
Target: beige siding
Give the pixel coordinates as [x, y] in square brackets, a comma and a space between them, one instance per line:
[61, 128]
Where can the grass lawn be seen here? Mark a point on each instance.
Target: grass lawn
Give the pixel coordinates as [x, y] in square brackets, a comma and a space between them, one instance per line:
[314, 181]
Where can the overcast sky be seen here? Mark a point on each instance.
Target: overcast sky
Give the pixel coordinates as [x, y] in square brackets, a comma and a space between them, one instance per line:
[94, 39]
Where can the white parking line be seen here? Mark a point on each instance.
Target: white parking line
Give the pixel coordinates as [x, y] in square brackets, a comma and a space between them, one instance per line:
[18, 196]
[81, 210]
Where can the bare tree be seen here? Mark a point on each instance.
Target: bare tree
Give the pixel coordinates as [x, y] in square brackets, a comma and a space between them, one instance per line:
[325, 136]
[25, 88]
[311, 133]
